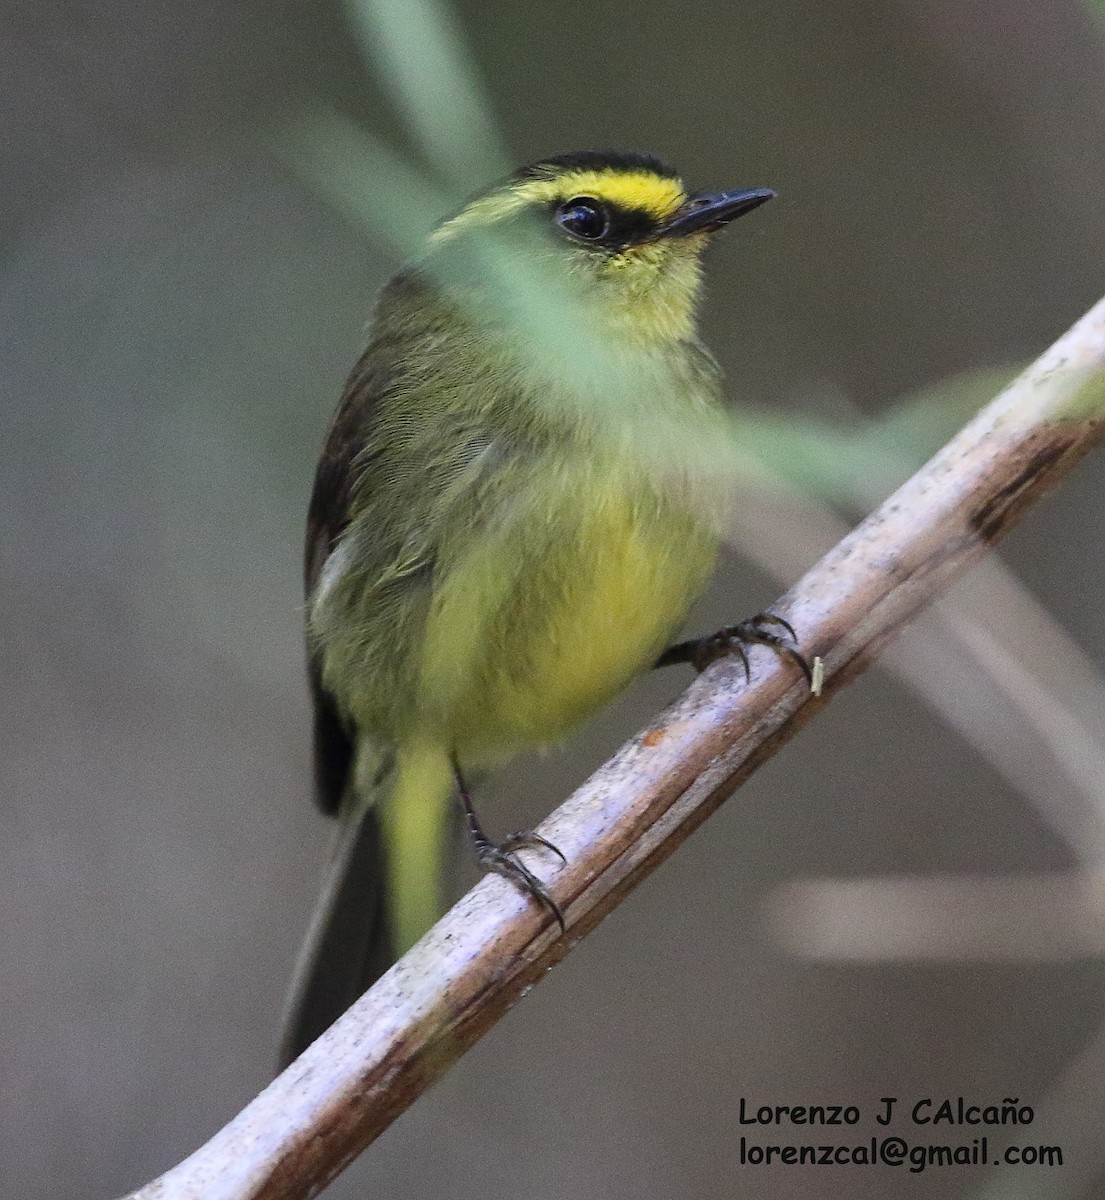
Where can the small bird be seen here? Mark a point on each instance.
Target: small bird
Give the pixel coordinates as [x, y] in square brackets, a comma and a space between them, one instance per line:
[496, 542]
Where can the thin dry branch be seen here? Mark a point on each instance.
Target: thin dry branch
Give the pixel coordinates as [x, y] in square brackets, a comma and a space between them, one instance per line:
[494, 944]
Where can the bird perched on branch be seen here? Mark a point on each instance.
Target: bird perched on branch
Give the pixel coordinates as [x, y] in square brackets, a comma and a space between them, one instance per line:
[513, 512]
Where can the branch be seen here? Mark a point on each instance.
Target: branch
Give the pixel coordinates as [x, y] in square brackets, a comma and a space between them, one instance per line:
[494, 944]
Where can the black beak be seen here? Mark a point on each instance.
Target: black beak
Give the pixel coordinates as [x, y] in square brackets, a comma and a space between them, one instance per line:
[711, 210]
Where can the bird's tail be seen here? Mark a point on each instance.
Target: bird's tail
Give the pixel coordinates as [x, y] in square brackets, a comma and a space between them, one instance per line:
[382, 891]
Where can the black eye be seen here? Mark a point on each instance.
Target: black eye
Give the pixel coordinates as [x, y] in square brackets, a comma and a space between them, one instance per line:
[584, 217]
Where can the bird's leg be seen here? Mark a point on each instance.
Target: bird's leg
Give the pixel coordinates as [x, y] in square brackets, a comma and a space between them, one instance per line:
[501, 858]
[756, 631]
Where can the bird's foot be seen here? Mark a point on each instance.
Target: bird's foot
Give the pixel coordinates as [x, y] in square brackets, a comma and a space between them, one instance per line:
[764, 629]
[502, 857]
[503, 860]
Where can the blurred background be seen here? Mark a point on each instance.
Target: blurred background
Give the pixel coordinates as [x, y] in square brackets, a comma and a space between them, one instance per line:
[178, 310]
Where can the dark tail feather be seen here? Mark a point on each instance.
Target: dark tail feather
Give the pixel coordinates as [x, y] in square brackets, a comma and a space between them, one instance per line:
[349, 945]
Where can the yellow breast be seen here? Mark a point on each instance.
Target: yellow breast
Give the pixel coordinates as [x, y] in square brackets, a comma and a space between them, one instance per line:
[529, 639]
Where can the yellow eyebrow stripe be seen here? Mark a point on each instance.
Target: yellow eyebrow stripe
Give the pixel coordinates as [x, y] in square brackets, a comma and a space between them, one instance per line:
[656, 195]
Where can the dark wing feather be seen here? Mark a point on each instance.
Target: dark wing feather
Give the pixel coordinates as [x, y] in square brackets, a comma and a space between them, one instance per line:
[327, 517]
[405, 313]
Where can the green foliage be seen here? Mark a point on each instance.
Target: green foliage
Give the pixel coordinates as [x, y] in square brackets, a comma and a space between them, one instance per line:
[421, 58]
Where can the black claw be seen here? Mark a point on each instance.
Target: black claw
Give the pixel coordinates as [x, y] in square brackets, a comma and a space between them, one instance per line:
[799, 660]
[767, 618]
[527, 838]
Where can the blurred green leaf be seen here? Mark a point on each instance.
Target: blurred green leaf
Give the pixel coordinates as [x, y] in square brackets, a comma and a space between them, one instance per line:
[374, 188]
[918, 424]
[422, 60]
[855, 462]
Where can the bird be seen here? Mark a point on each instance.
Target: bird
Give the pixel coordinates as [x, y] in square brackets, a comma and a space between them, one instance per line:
[504, 529]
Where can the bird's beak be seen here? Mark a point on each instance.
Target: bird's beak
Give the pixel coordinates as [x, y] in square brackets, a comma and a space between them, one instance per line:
[708, 211]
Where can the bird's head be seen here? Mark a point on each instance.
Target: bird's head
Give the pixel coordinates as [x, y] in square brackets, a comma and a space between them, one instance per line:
[620, 231]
